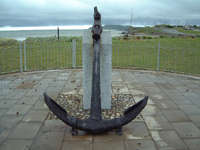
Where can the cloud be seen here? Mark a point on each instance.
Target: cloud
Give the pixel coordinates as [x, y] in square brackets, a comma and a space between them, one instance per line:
[76, 12]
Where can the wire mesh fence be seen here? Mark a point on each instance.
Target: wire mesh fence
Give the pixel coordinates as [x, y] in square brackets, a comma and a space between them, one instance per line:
[180, 57]
[175, 57]
[10, 57]
[48, 55]
[136, 54]
[30, 55]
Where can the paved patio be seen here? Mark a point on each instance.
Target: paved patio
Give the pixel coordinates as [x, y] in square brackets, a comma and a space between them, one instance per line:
[171, 119]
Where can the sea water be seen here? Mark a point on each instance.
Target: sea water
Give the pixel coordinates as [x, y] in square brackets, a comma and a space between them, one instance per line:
[21, 33]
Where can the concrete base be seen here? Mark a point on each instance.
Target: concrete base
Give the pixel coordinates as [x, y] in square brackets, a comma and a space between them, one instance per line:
[105, 68]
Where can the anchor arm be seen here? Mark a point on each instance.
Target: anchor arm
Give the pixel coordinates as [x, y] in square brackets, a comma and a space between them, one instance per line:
[93, 125]
[60, 112]
[99, 126]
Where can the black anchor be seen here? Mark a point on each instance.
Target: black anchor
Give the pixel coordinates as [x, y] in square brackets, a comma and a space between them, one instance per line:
[95, 124]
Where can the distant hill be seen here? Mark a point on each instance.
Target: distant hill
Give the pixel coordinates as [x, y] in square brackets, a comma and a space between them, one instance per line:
[115, 27]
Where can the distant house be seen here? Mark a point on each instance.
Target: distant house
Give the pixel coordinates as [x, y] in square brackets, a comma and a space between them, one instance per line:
[187, 28]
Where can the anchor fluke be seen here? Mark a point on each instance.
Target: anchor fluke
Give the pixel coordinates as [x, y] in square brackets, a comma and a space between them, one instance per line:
[141, 104]
[95, 126]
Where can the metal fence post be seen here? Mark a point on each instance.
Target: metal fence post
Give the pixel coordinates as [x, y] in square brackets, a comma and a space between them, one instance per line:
[20, 44]
[0, 67]
[25, 55]
[74, 53]
[158, 61]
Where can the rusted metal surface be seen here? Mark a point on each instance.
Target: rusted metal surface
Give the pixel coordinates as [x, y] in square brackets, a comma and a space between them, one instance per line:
[96, 98]
[95, 124]
[97, 27]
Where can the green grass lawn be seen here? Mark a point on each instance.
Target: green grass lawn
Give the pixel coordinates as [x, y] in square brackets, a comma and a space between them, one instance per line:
[176, 54]
[148, 30]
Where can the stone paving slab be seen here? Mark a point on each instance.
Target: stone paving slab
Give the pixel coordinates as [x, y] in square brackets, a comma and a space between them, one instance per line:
[28, 99]
[3, 111]
[25, 130]
[36, 116]
[180, 99]
[193, 144]
[54, 125]
[187, 129]
[171, 119]
[7, 103]
[196, 102]
[168, 140]
[151, 110]
[175, 115]
[77, 145]
[48, 141]
[140, 144]
[136, 130]
[195, 119]
[4, 134]
[190, 109]
[82, 136]
[40, 104]
[157, 123]
[10, 121]
[17, 144]
[166, 104]
[108, 141]
[15, 95]
[19, 109]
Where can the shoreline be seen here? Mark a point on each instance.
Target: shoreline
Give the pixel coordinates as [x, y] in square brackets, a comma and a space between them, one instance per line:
[23, 34]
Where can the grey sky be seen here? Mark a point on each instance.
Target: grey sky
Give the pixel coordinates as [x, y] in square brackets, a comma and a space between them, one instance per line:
[80, 12]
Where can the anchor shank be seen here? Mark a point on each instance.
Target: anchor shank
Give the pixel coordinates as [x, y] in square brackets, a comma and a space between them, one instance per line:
[96, 93]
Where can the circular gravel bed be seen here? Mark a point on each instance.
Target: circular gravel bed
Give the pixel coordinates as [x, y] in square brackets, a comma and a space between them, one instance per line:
[73, 104]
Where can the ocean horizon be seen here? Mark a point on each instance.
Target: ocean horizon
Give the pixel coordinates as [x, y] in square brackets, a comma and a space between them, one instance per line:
[21, 33]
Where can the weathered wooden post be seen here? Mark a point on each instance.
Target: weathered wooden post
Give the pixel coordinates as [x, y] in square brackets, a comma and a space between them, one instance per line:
[58, 32]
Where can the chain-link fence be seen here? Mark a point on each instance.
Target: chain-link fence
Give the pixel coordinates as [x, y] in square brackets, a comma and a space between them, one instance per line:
[52, 54]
